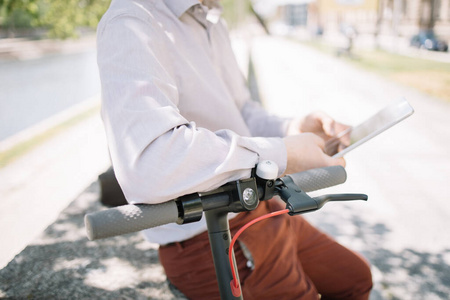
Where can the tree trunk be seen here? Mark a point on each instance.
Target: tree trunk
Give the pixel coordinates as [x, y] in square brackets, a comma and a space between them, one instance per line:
[428, 14]
[380, 11]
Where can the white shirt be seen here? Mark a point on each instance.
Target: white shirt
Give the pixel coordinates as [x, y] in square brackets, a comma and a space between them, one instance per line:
[177, 112]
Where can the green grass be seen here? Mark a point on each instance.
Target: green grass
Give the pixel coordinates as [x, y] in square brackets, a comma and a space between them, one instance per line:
[8, 156]
[425, 75]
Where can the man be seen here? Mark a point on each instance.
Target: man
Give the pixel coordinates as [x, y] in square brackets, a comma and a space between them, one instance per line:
[179, 119]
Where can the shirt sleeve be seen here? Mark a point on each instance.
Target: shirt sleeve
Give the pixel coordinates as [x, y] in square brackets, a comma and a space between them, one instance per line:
[157, 154]
[262, 123]
[258, 119]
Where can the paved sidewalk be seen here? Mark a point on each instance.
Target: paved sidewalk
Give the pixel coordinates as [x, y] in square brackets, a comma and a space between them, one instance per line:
[36, 187]
[39, 185]
[402, 229]
[62, 264]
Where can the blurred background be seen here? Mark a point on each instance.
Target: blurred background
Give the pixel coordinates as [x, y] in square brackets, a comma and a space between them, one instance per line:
[348, 58]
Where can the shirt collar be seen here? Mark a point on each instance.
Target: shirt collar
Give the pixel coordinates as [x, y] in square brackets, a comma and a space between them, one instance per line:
[179, 7]
[215, 10]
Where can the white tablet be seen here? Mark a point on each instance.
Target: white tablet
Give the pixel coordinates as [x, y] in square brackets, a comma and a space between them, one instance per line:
[354, 136]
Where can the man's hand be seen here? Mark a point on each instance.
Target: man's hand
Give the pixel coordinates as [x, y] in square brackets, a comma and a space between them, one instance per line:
[306, 151]
[318, 123]
[325, 127]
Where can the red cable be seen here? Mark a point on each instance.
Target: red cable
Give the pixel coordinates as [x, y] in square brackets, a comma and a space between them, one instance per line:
[235, 284]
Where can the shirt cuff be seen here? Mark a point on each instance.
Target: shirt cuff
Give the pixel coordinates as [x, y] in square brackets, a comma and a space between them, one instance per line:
[272, 149]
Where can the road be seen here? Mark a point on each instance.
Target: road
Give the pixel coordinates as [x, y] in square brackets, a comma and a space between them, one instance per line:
[403, 228]
[33, 90]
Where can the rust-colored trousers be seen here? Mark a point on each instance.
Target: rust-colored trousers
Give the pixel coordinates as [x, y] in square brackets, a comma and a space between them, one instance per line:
[292, 260]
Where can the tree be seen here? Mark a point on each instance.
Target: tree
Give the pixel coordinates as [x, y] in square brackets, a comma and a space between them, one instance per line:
[18, 13]
[62, 18]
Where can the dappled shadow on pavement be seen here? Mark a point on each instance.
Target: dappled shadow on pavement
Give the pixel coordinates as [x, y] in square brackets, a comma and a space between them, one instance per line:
[403, 274]
[63, 264]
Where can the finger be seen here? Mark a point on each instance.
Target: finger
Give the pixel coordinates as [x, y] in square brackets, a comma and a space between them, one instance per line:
[334, 161]
[332, 146]
[342, 146]
[318, 141]
[340, 161]
[328, 125]
[341, 127]
[332, 142]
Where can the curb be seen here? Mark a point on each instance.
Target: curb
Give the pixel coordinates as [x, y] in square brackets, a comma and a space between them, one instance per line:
[26, 48]
[49, 123]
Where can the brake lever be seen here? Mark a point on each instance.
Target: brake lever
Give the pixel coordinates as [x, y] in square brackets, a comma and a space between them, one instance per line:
[322, 200]
[297, 201]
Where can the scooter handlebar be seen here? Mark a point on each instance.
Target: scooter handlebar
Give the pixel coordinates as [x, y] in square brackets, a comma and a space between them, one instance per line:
[136, 217]
[320, 178]
[129, 218]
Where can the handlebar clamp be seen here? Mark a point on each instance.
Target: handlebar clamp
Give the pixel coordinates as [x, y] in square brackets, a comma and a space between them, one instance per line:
[190, 209]
[297, 201]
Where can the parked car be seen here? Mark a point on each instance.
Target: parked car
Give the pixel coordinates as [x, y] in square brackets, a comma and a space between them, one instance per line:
[428, 40]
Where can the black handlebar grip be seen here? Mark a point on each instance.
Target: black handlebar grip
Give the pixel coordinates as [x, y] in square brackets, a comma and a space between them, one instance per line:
[129, 218]
[320, 178]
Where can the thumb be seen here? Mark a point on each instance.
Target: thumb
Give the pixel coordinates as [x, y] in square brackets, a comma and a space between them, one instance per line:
[341, 161]
[328, 126]
[338, 161]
